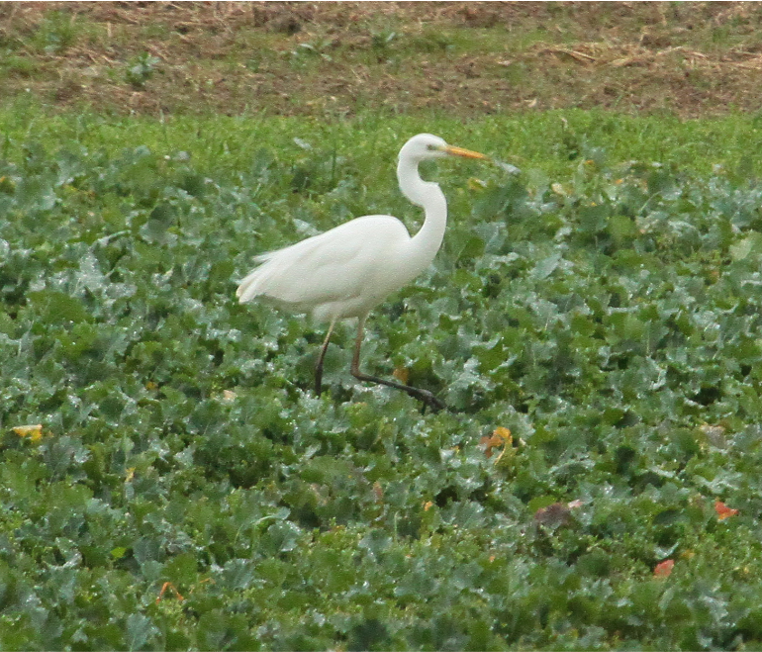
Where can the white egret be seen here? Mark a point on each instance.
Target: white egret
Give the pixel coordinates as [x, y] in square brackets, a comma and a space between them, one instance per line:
[347, 271]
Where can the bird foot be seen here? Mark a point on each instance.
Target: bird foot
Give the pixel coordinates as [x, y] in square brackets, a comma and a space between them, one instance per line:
[423, 395]
[427, 398]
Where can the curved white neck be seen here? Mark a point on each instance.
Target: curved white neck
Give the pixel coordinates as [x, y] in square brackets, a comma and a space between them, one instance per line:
[430, 197]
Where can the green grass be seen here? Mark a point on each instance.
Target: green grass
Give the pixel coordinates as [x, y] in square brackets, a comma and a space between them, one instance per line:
[15, 66]
[58, 31]
[554, 142]
[603, 305]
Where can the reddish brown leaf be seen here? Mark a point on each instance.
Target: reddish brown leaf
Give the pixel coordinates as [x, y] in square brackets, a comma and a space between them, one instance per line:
[500, 437]
[164, 587]
[664, 568]
[723, 511]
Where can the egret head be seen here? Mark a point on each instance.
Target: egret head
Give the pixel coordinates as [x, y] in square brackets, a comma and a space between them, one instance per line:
[424, 147]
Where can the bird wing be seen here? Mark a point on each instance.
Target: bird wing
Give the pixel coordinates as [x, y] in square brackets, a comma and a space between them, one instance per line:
[338, 265]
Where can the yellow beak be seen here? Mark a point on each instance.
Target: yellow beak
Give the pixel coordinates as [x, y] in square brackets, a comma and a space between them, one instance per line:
[466, 153]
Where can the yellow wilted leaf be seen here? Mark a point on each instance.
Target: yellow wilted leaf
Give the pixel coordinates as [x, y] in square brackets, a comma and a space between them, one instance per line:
[34, 432]
[401, 374]
[503, 433]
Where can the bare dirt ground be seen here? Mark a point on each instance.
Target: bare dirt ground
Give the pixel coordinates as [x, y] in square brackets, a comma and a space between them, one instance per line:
[468, 59]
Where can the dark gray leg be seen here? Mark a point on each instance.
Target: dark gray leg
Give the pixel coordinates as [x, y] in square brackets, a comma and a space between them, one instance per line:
[321, 357]
[426, 397]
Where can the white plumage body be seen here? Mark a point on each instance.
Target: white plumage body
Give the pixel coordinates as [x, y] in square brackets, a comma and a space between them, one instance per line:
[342, 273]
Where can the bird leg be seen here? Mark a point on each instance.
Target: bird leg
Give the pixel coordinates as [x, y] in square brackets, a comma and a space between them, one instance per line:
[426, 397]
[321, 357]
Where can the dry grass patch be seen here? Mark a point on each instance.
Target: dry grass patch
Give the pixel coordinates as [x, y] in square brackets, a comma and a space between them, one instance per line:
[467, 59]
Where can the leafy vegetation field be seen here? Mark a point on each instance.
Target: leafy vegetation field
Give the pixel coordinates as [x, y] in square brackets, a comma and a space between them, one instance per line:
[168, 480]
[603, 305]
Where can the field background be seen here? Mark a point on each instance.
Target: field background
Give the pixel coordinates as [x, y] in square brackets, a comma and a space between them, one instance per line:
[168, 479]
[688, 59]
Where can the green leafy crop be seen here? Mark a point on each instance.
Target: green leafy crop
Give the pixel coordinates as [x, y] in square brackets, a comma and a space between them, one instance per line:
[185, 488]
